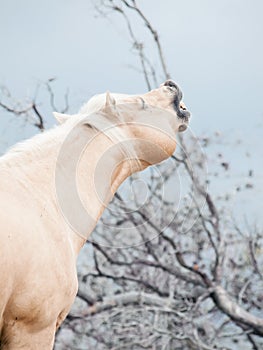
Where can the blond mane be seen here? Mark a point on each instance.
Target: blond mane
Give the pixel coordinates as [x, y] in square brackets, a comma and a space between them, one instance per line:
[89, 115]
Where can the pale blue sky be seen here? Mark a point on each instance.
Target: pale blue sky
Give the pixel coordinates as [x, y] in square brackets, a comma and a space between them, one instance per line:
[213, 49]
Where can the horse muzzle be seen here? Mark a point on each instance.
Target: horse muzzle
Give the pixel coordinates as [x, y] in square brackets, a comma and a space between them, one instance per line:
[184, 116]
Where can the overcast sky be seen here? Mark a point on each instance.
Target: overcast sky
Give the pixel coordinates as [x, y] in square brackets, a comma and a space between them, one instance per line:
[213, 49]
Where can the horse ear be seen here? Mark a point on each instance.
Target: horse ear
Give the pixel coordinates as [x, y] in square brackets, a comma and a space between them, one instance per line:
[110, 101]
[60, 117]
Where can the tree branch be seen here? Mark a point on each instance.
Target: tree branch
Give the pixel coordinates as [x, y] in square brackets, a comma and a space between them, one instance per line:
[240, 316]
[153, 32]
[129, 298]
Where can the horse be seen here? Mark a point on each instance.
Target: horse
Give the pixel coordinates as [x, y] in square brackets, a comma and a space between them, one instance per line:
[54, 188]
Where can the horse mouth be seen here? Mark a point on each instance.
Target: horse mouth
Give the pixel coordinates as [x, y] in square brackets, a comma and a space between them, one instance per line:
[182, 127]
[183, 116]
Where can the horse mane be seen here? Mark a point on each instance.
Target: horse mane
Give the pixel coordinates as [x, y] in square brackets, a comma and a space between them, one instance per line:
[35, 144]
[89, 115]
[97, 102]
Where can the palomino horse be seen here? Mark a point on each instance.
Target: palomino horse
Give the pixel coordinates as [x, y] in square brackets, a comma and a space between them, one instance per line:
[55, 186]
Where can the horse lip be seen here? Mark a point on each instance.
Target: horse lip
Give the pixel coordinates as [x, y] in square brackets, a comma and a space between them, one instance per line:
[183, 127]
[184, 115]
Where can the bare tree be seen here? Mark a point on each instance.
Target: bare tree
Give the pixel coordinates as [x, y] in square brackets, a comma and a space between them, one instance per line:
[164, 269]
[195, 280]
[172, 286]
[30, 110]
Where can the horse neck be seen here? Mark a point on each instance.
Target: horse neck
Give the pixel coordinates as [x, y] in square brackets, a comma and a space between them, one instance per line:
[73, 171]
[89, 169]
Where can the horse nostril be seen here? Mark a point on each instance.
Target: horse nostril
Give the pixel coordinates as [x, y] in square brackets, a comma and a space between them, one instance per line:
[183, 106]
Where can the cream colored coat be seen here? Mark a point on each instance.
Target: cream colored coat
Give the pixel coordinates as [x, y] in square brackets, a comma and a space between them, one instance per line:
[44, 225]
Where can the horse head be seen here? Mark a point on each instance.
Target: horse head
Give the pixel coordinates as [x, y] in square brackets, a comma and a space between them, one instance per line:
[149, 122]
